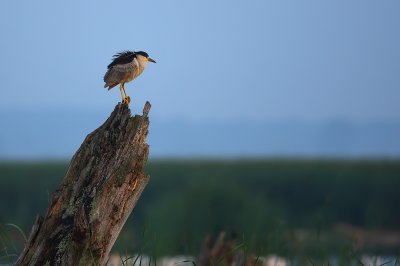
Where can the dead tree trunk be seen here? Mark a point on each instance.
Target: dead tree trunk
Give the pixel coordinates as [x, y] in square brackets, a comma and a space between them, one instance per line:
[102, 185]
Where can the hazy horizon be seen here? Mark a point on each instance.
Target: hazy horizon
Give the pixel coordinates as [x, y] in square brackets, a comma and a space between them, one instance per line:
[47, 135]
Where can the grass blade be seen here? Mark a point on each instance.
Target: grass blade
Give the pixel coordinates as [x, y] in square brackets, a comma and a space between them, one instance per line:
[19, 230]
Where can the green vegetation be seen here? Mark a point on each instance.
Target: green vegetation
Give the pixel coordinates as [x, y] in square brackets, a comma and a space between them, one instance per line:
[265, 201]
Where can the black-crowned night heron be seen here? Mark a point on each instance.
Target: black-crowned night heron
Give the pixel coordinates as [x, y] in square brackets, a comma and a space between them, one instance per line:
[125, 67]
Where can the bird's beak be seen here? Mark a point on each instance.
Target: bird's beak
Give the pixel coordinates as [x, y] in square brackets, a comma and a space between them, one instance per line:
[151, 60]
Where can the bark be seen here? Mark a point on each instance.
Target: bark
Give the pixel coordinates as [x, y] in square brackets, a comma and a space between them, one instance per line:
[103, 183]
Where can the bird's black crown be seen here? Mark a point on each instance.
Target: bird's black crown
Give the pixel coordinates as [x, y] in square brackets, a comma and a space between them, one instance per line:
[142, 53]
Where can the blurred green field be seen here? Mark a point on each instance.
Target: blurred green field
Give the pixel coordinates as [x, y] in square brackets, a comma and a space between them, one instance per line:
[265, 201]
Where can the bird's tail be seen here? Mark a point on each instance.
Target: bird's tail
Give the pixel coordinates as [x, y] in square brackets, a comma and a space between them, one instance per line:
[110, 86]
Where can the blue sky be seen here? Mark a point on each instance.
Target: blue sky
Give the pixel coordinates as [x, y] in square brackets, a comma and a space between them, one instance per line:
[216, 60]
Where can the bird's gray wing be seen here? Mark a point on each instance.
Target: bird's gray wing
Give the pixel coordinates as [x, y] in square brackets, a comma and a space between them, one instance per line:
[117, 74]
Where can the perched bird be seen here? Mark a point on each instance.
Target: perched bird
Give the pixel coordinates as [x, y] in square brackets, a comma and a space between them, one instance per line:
[125, 67]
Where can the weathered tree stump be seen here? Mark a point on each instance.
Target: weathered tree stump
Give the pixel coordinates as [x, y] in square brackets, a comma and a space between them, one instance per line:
[102, 185]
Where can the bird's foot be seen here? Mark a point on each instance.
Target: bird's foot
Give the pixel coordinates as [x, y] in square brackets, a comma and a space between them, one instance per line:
[126, 100]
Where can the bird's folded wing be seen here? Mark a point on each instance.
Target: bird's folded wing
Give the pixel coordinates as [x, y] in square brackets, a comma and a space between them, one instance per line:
[118, 73]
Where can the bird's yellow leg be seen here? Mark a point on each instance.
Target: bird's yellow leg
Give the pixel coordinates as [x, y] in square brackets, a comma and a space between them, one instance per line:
[121, 89]
[128, 99]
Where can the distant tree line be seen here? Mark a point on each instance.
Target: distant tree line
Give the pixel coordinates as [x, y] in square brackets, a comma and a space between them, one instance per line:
[256, 199]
